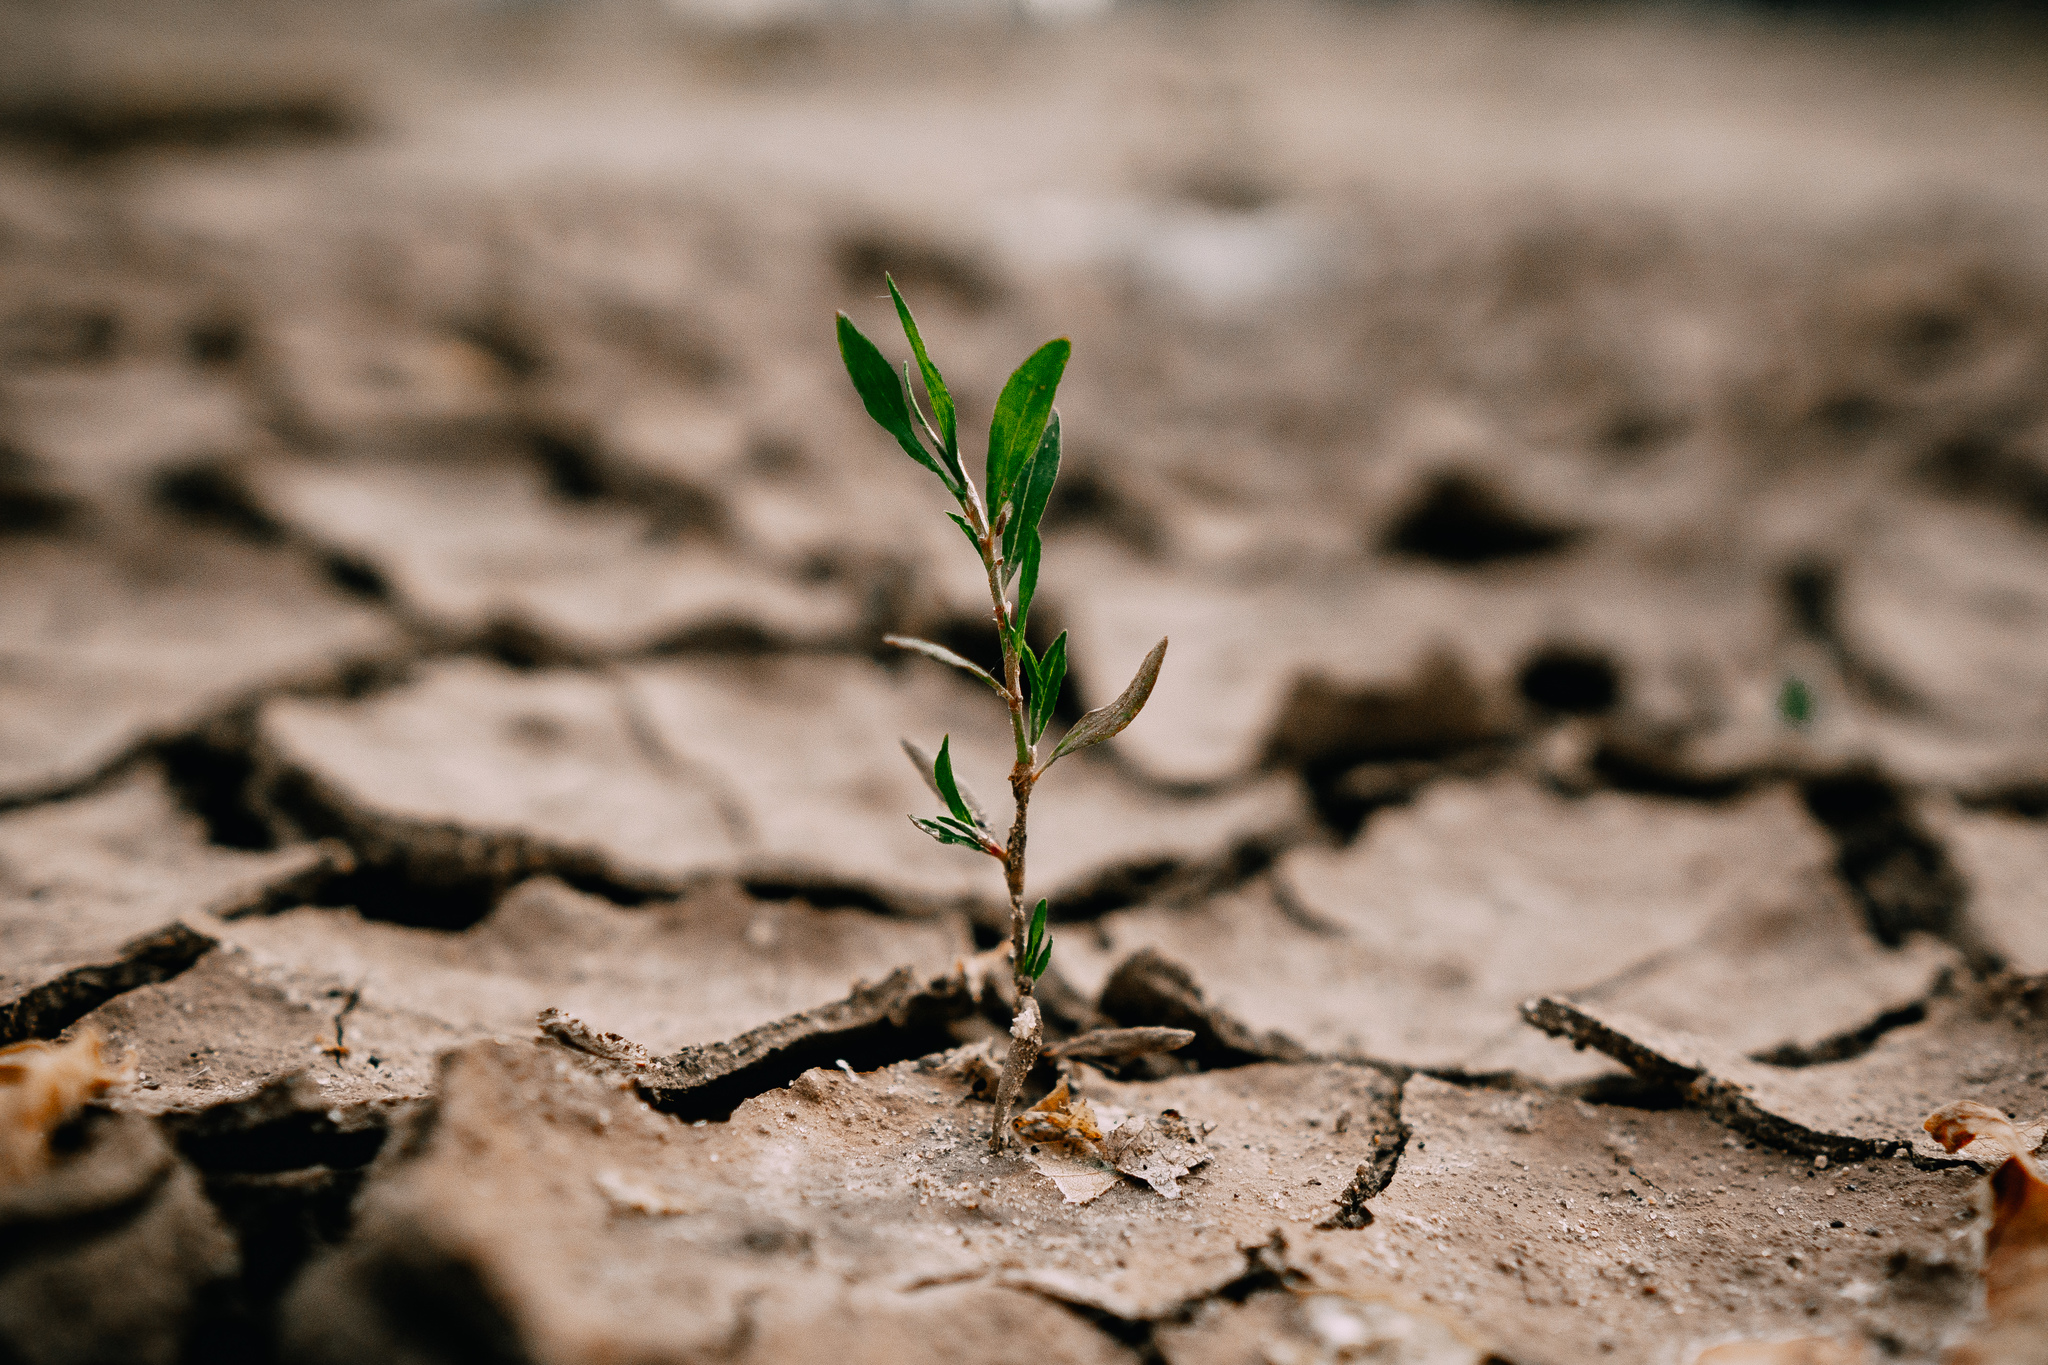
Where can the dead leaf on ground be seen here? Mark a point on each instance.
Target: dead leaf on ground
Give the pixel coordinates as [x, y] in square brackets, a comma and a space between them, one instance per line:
[1072, 1147]
[2015, 1331]
[43, 1086]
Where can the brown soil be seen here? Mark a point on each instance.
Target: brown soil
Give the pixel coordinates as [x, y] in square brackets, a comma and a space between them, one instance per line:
[446, 749]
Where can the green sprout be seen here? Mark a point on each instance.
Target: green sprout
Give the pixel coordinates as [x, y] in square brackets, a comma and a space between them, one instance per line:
[1000, 519]
[1795, 703]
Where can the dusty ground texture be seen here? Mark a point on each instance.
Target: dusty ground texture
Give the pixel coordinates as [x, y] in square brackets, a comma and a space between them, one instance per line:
[447, 756]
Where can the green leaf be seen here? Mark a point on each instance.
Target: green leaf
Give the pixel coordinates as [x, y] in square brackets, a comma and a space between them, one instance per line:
[947, 835]
[1045, 686]
[944, 656]
[934, 387]
[1020, 417]
[1037, 945]
[967, 531]
[924, 764]
[1105, 722]
[882, 393]
[1033, 548]
[1034, 486]
[949, 791]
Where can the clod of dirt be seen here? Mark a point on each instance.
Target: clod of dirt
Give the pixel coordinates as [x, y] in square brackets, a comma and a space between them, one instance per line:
[104, 893]
[1559, 1229]
[108, 1249]
[842, 1205]
[783, 770]
[2016, 1244]
[112, 645]
[43, 1086]
[1418, 943]
[1984, 1038]
[1285, 1327]
[559, 580]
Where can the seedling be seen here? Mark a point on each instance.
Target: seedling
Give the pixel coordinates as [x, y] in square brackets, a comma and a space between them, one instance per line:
[1000, 519]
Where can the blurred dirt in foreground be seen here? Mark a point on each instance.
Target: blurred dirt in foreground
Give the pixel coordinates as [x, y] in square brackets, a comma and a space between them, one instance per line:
[1592, 466]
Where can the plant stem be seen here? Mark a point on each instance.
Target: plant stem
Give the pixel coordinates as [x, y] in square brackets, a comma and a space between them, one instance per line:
[1027, 1033]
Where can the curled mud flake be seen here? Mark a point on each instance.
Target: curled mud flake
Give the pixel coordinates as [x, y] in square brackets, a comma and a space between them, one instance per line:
[573, 1033]
[2015, 1247]
[1798, 1351]
[43, 1086]
[1122, 1044]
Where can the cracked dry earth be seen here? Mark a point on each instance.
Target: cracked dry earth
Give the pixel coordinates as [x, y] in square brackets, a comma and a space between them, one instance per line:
[447, 761]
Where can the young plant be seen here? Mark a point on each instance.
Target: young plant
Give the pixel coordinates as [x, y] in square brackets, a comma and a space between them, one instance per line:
[1000, 520]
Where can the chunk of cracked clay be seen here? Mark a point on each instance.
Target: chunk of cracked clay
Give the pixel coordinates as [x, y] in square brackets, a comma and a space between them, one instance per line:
[322, 1010]
[2004, 858]
[107, 646]
[1362, 660]
[855, 1196]
[796, 740]
[477, 772]
[1420, 941]
[1556, 1228]
[782, 770]
[569, 579]
[103, 893]
[1983, 1041]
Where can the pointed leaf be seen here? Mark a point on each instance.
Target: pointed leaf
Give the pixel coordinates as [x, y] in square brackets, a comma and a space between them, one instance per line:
[1033, 549]
[924, 764]
[1020, 417]
[1045, 686]
[882, 393]
[949, 791]
[934, 386]
[1105, 722]
[967, 531]
[944, 656]
[1034, 486]
[945, 835]
[1037, 945]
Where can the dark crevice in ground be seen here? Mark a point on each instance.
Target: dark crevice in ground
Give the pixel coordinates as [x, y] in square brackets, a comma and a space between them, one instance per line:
[1840, 1048]
[1462, 521]
[1899, 873]
[49, 1009]
[76, 127]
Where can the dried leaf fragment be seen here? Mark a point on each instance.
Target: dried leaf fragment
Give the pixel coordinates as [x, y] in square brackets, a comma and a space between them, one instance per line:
[1156, 1151]
[2016, 1247]
[43, 1086]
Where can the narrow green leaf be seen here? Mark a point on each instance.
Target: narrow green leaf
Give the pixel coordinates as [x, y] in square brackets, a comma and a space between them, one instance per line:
[967, 531]
[1034, 486]
[1020, 417]
[944, 656]
[923, 424]
[1105, 722]
[1045, 686]
[949, 791]
[882, 393]
[1033, 548]
[945, 835]
[934, 386]
[1037, 945]
[924, 764]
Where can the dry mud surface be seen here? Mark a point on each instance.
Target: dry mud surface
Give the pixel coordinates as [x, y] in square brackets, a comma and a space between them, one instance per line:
[447, 756]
